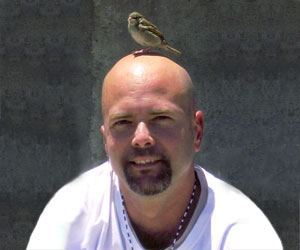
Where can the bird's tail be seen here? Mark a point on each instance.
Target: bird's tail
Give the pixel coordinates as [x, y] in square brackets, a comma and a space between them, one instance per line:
[167, 47]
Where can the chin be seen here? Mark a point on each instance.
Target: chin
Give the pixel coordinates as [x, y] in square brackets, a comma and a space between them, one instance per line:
[148, 186]
[148, 182]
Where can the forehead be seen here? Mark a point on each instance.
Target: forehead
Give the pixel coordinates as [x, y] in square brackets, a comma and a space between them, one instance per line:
[145, 100]
[145, 83]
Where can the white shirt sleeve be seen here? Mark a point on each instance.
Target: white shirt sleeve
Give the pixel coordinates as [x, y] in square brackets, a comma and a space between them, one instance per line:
[253, 235]
[57, 221]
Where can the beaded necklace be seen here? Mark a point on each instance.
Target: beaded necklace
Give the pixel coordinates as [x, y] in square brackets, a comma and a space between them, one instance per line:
[180, 225]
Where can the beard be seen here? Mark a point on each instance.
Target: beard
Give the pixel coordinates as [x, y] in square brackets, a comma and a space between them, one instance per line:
[148, 181]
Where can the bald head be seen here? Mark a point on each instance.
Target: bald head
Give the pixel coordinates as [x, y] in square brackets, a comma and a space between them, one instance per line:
[134, 74]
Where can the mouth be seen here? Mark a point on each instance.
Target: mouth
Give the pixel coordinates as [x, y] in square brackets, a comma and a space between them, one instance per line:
[144, 162]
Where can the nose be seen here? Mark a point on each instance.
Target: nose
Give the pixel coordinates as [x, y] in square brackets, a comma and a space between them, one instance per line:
[142, 137]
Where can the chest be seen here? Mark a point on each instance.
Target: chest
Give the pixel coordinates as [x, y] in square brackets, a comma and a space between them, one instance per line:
[144, 37]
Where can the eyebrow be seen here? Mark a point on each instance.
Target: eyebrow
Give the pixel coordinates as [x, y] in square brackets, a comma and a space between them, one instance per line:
[120, 116]
[160, 112]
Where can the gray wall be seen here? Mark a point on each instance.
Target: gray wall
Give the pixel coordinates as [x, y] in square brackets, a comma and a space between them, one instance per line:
[243, 57]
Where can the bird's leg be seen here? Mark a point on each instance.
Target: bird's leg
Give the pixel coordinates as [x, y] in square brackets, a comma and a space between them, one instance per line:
[142, 51]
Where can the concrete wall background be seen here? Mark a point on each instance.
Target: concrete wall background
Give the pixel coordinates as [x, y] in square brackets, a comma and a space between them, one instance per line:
[243, 57]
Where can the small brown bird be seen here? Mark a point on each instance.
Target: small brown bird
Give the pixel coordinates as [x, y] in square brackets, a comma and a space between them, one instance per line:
[147, 34]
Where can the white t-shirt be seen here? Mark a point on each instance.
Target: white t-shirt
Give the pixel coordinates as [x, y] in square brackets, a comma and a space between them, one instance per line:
[87, 213]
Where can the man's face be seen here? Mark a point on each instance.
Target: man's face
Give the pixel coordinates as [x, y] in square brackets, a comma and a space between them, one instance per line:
[149, 130]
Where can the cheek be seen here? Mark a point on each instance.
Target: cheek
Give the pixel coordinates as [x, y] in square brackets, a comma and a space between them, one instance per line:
[114, 153]
[184, 144]
[113, 146]
[169, 133]
[179, 141]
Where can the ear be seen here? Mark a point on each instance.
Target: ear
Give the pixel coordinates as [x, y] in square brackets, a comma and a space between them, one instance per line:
[198, 130]
[104, 137]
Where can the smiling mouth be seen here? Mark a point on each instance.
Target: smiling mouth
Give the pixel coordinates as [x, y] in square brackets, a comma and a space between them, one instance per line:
[144, 163]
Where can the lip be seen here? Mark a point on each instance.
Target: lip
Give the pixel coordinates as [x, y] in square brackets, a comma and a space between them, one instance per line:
[144, 162]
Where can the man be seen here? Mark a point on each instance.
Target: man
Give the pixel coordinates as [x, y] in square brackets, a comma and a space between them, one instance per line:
[150, 194]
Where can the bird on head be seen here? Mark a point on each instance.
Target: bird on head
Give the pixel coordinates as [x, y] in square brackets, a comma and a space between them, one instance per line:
[147, 34]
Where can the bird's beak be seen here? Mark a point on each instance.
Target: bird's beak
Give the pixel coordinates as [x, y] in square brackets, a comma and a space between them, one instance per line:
[129, 19]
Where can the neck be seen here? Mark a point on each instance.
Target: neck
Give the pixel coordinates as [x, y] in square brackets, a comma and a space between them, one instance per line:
[154, 224]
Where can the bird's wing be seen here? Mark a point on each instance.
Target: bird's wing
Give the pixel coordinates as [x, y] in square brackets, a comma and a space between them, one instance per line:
[146, 25]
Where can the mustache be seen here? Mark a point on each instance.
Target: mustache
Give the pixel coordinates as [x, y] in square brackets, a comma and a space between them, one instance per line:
[141, 152]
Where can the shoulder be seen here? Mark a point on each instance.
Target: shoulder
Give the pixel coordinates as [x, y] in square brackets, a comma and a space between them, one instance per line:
[82, 190]
[245, 225]
[97, 177]
[227, 195]
[71, 207]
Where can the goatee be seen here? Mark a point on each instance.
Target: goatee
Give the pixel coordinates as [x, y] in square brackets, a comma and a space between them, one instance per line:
[147, 181]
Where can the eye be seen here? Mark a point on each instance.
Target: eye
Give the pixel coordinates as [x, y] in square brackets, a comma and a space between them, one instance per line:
[162, 118]
[121, 123]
